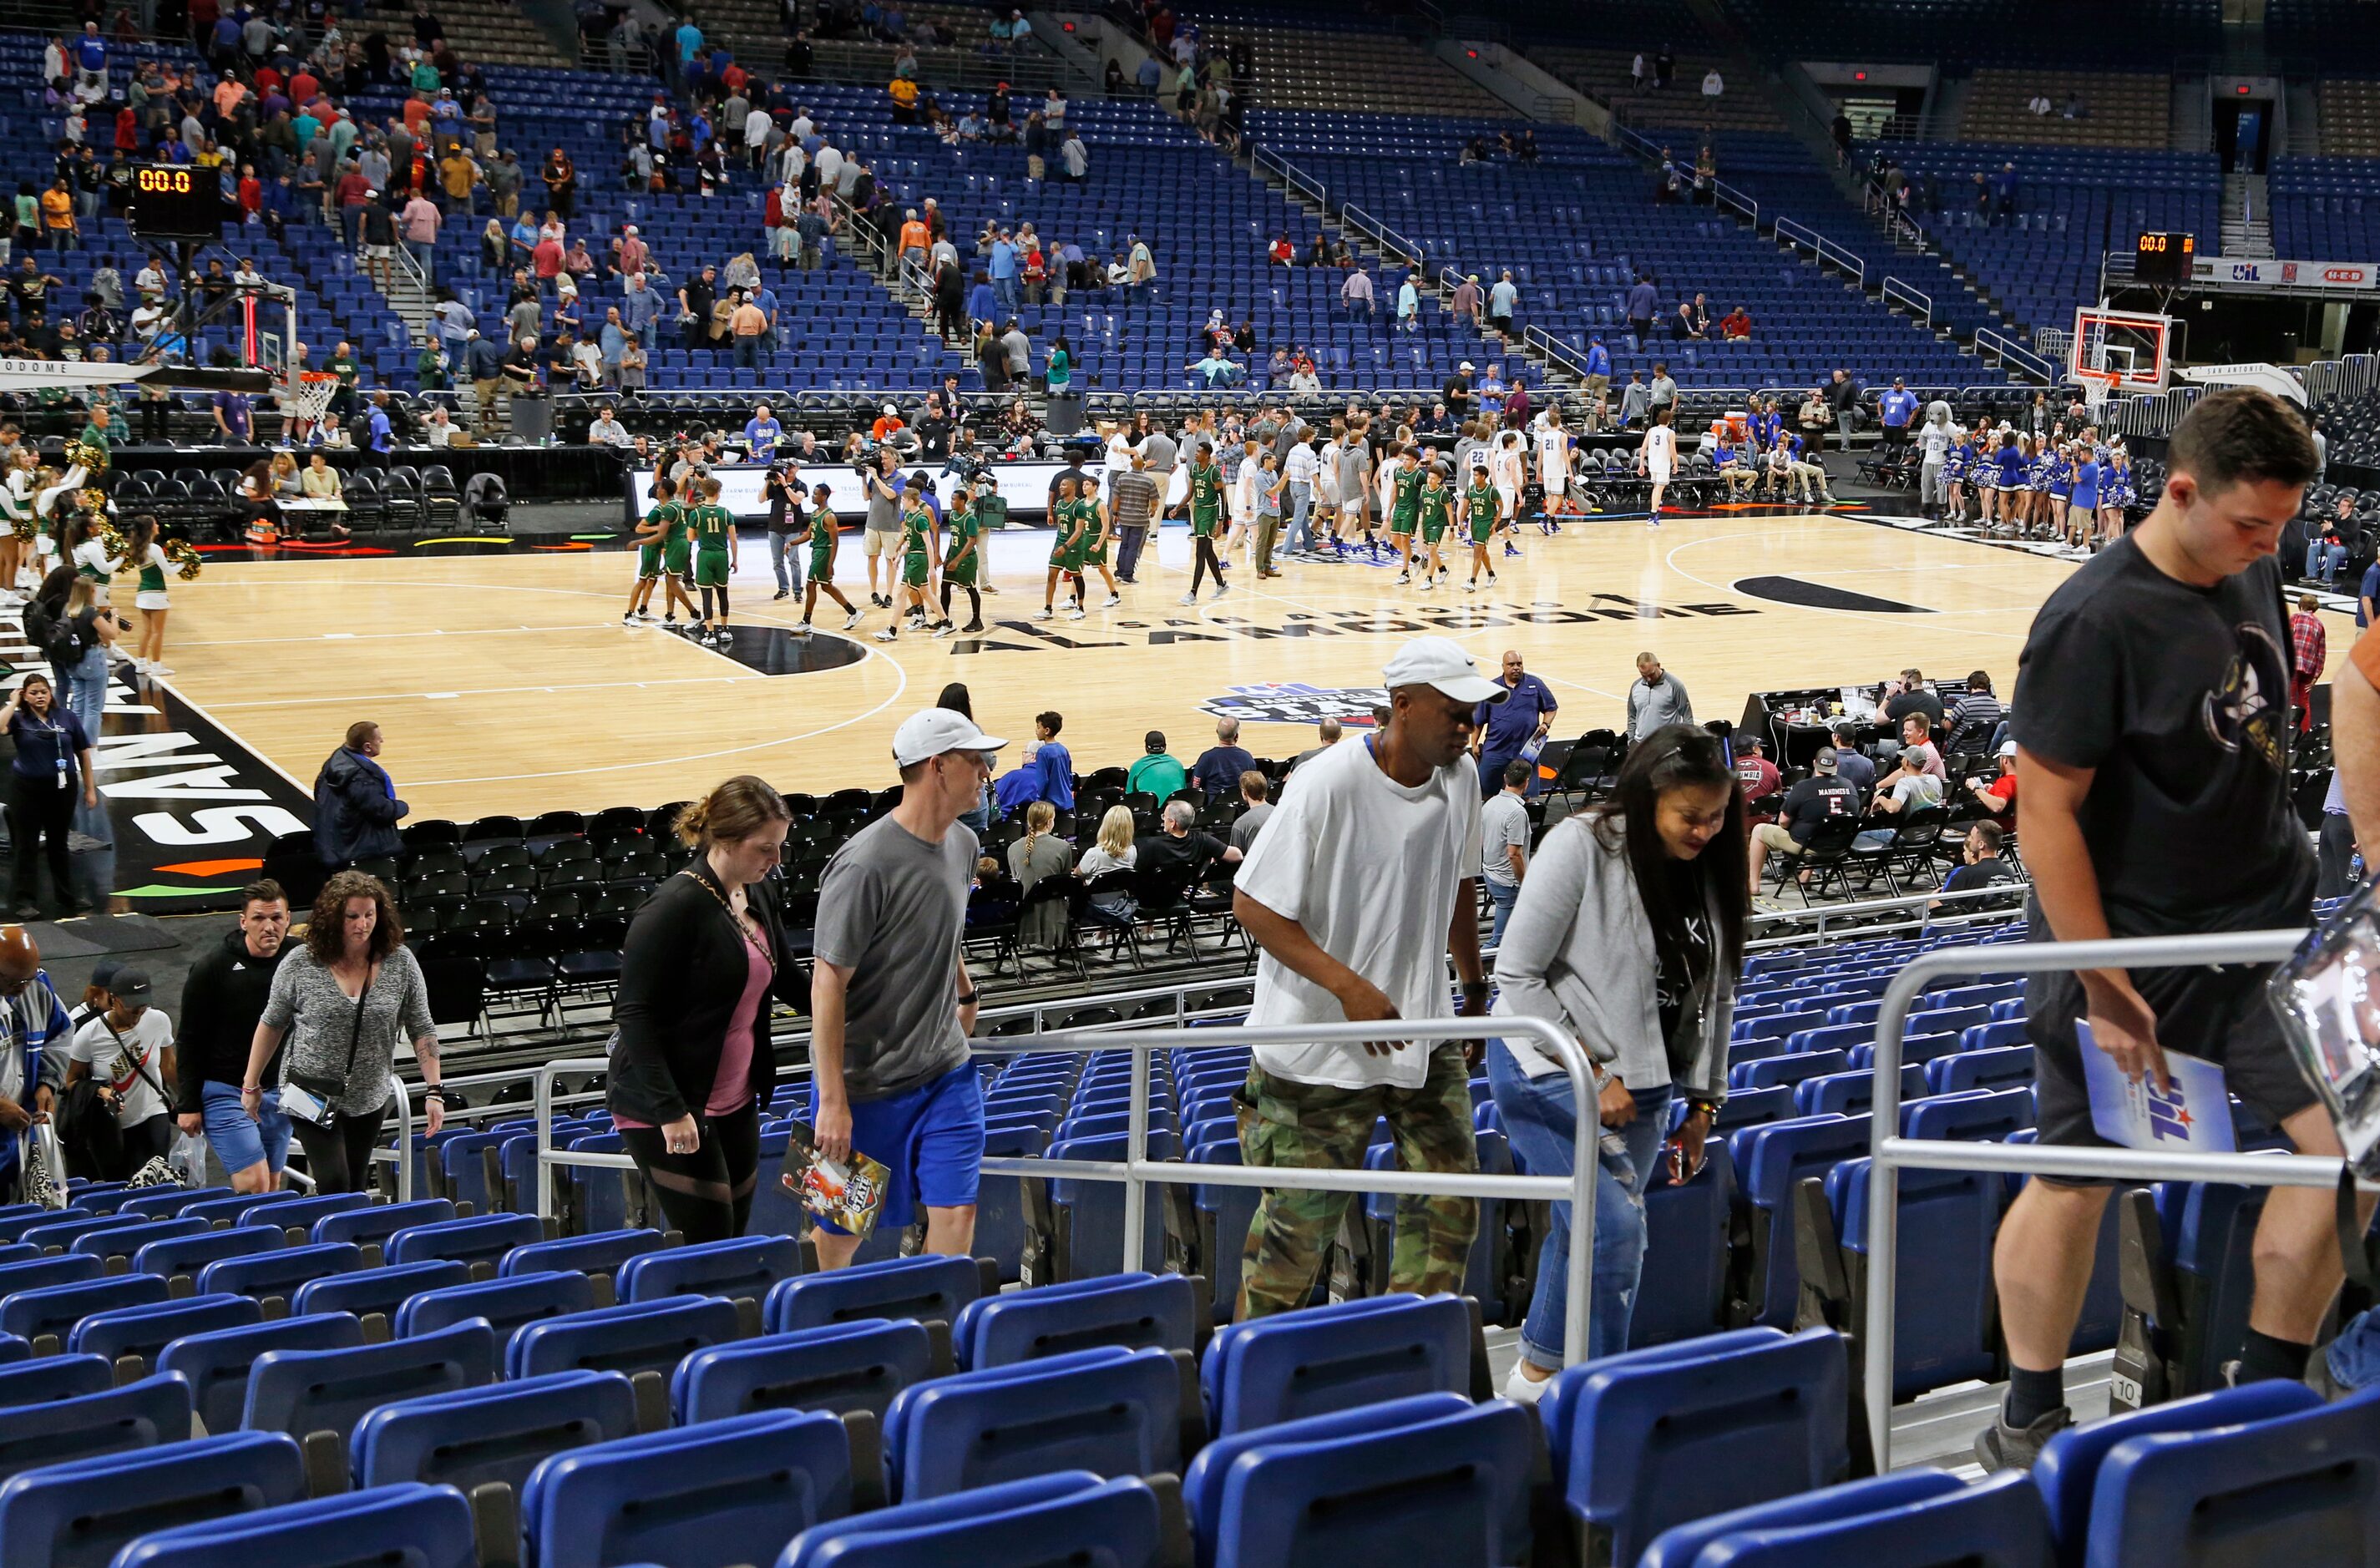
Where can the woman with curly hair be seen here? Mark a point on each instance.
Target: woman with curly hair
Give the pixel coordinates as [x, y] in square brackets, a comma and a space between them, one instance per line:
[341, 1003]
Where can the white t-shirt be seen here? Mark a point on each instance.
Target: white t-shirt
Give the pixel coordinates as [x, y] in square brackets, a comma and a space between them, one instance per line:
[1371, 869]
[146, 1042]
[1250, 486]
[1119, 458]
[1506, 469]
[1503, 824]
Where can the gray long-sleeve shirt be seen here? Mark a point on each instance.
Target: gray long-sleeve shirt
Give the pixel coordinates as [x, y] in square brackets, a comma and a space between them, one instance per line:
[1655, 703]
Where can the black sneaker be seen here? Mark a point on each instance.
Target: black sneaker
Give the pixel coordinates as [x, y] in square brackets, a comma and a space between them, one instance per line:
[2002, 1446]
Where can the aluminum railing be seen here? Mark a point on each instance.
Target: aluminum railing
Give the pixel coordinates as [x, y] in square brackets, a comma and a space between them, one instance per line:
[1137, 1171]
[1801, 236]
[1915, 301]
[1892, 1153]
[402, 1155]
[1875, 917]
[1991, 342]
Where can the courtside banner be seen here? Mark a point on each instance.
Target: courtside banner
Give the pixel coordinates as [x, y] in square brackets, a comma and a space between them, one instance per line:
[2247, 273]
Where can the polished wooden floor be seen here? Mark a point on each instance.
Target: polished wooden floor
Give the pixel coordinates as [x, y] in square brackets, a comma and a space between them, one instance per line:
[506, 682]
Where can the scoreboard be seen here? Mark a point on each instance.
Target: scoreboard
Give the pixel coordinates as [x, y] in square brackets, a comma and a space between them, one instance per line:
[2163, 258]
[176, 202]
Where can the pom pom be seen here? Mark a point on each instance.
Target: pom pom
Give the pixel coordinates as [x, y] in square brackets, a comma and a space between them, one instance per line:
[185, 556]
[90, 454]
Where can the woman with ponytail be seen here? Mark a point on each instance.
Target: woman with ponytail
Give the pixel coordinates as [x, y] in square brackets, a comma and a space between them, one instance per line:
[1037, 854]
[691, 1062]
[1628, 933]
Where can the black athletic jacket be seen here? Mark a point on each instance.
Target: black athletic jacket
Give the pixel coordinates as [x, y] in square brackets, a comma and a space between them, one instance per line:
[222, 999]
[682, 971]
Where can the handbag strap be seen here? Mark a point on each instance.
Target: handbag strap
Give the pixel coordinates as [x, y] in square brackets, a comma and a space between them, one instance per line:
[355, 1034]
[139, 1065]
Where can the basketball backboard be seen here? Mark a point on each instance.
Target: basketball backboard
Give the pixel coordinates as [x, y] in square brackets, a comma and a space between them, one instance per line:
[2130, 346]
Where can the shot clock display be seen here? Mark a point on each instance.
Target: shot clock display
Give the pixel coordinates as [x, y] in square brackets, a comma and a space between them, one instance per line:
[176, 201]
[2163, 258]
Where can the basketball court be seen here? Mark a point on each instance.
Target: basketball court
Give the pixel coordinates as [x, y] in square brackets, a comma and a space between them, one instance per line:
[505, 681]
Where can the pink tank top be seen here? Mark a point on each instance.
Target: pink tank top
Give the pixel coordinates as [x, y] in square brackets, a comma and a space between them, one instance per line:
[732, 1089]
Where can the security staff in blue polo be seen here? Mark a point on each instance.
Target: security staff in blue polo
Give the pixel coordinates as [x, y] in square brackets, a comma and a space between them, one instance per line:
[1506, 729]
[1894, 409]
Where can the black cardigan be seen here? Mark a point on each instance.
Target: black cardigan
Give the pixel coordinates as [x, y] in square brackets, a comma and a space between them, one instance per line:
[682, 971]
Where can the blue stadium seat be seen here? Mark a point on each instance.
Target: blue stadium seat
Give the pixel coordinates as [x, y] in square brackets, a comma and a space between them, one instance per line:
[1067, 1516]
[378, 1222]
[123, 1241]
[25, 1217]
[280, 1271]
[2069, 1468]
[78, 1514]
[1654, 1438]
[506, 1305]
[471, 1437]
[300, 1214]
[27, 1383]
[1113, 1411]
[999, 1211]
[1090, 1215]
[635, 1336]
[382, 1291]
[303, 1391]
[924, 1287]
[2299, 1487]
[163, 1203]
[234, 1208]
[747, 1265]
[1131, 1310]
[419, 1526]
[139, 1415]
[1224, 1215]
[725, 1493]
[1997, 1523]
[66, 1269]
[1335, 1358]
[601, 1253]
[859, 1364]
[189, 1255]
[1943, 1307]
[145, 1330]
[1684, 1289]
[1430, 1478]
[55, 1309]
[483, 1239]
[1770, 1161]
[215, 1365]
[1681, 1546]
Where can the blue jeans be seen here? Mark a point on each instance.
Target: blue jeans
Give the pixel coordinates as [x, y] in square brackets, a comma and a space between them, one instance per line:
[1502, 896]
[85, 698]
[2322, 559]
[1004, 290]
[1541, 1120]
[1300, 534]
[785, 558]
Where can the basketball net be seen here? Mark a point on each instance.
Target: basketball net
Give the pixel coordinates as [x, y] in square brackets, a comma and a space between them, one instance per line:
[310, 396]
[2098, 387]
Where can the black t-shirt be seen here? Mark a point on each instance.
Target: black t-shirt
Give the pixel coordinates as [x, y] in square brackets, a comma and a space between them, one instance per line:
[520, 367]
[1983, 873]
[1918, 701]
[379, 228]
[2177, 696]
[1680, 966]
[1190, 857]
[1819, 798]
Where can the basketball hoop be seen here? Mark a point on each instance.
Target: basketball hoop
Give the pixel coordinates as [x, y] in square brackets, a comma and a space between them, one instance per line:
[310, 394]
[2098, 387]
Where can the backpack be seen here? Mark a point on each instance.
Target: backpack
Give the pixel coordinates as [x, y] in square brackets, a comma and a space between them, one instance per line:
[60, 642]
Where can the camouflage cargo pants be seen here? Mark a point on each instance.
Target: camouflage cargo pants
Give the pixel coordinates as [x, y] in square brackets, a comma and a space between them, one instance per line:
[1319, 1127]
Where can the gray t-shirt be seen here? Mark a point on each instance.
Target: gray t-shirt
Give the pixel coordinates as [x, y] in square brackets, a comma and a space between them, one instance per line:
[1158, 451]
[1243, 831]
[1503, 824]
[891, 910]
[883, 511]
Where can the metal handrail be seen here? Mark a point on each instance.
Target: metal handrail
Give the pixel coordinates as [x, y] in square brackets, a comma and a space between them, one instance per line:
[1137, 1170]
[1394, 246]
[1724, 194]
[1966, 908]
[1917, 301]
[401, 1154]
[1554, 349]
[1801, 236]
[1991, 341]
[1893, 1153]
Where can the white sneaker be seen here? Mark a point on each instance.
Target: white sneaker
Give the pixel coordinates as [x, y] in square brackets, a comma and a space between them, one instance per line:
[1113, 600]
[946, 628]
[851, 621]
[887, 635]
[1043, 614]
[156, 670]
[1404, 578]
[1189, 599]
[1472, 587]
[1428, 583]
[1222, 591]
[1522, 1390]
[1076, 613]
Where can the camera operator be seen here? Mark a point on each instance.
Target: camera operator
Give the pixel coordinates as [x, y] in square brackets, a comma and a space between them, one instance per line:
[880, 483]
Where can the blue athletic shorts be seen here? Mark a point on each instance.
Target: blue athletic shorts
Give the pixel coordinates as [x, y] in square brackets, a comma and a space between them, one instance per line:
[238, 1141]
[931, 1140]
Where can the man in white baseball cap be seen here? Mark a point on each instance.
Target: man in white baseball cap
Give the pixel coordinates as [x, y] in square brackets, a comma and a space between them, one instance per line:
[891, 1004]
[1371, 858]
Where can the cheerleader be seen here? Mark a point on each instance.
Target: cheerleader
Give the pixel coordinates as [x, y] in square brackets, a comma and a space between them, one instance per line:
[87, 553]
[1954, 476]
[2013, 496]
[149, 598]
[2037, 483]
[2115, 493]
[2062, 487]
[16, 512]
[1983, 478]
